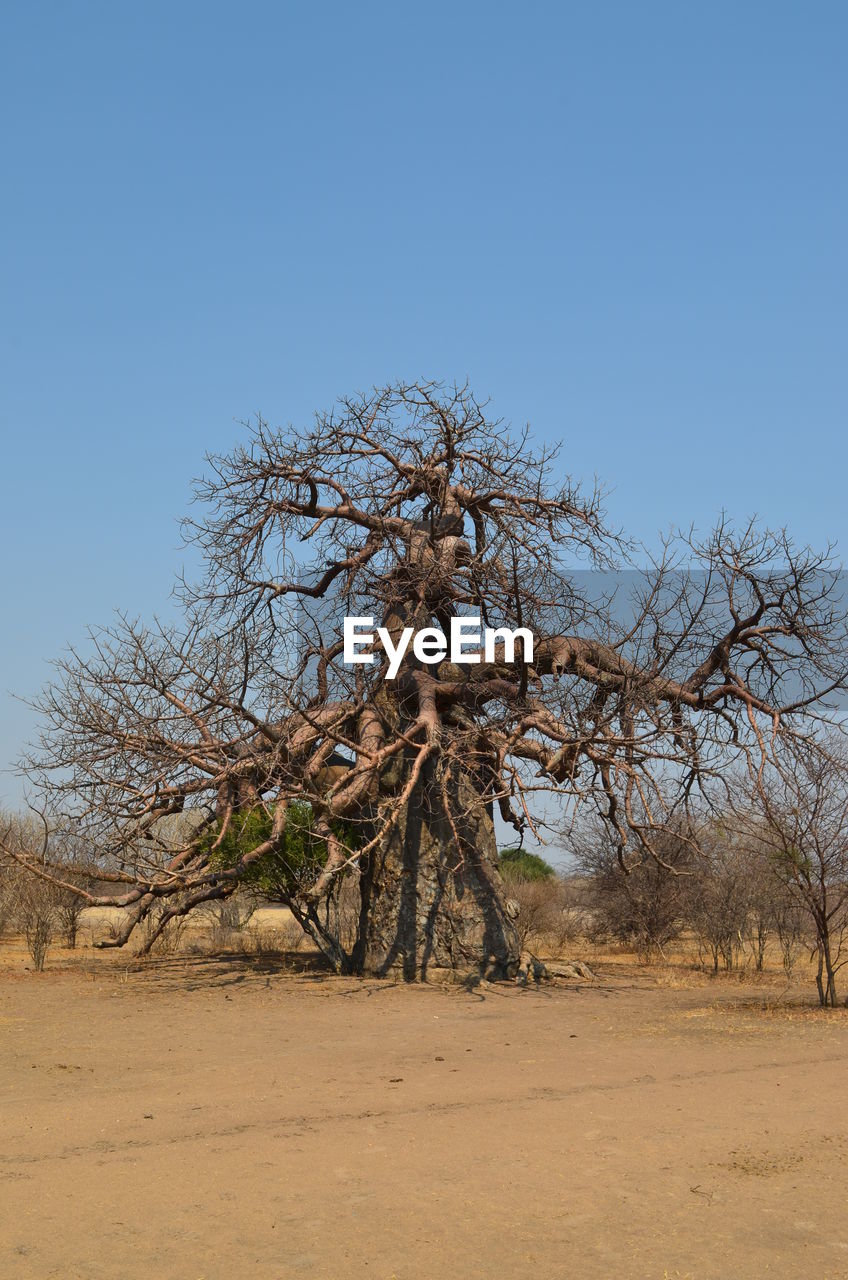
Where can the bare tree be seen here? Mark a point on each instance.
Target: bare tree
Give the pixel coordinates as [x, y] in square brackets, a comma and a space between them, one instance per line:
[8, 874]
[789, 919]
[37, 917]
[771, 909]
[720, 895]
[40, 907]
[644, 906]
[33, 899]
[410, 505]
[69, 909]
[233, 914]
[763, 910]
[800, 816]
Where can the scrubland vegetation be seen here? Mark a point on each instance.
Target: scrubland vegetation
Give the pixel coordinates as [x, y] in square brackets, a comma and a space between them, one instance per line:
[724, 907]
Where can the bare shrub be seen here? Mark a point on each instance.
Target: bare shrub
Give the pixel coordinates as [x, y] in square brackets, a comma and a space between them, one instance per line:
[544, 913]
[36, 916]
[642, 907]
[567, 921]
[39, 934]
[69, 909]
[31, 898]
[69, 913]
[222, 938]
[736, 884]
[291, 935]
[114, 926]
[234, 912]
[265, 940]
[6, 899]
[790, 924]
[170, 939]
[800, 818]
[759, 923]
[719, 898]
[271, 939]
[228, 919]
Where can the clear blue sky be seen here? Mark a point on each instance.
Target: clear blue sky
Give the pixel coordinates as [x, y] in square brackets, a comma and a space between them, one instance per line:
[624, 222]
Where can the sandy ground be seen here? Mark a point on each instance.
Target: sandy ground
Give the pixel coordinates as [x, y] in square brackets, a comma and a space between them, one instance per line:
[218, 1120]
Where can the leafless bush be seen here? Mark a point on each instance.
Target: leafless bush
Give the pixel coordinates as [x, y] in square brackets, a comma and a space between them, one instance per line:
[643, 907]
[39, 934]
[790, 925]
[32, 899]
[800, 819]
[70, 906]
[271, 939]
[545, 917]
[170, 940]
[222, 937]
[6, 899]
[36, 915]
[228, 919]
[234, 912]
[291, 935]
[566, 926]
[114, 926]
[718, 917]
[69, 910]
[265, 940]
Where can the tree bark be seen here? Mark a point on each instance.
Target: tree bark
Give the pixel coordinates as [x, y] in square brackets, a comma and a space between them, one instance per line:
[431, 893]
[826, 975]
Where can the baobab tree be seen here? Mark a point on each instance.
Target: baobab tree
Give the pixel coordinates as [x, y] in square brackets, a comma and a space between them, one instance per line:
[409, 505]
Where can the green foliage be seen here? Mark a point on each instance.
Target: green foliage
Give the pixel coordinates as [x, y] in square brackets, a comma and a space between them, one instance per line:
[281, 873]
[792, 863]
[518, 864]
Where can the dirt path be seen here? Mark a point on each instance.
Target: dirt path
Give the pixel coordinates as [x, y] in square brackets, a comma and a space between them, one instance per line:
[208, 1121]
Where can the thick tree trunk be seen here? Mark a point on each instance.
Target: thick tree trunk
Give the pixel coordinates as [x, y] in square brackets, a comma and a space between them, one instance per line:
[427, 903]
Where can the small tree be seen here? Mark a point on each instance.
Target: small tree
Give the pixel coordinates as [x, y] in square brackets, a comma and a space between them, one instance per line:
[801, 816]
[230, 916]
[30, 896]
[719, 898]
[69, 909]
[760, 922]
[542, 913]
[789, 921]
[6, 896]
[37, 916]
[642, 905]
[80, 875]
[770, 908]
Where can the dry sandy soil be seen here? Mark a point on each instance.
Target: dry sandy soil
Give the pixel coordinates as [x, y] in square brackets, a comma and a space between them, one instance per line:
[205, 1119]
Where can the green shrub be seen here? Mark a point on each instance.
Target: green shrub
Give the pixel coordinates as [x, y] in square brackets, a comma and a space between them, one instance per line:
[293, 866]
[518, 864]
